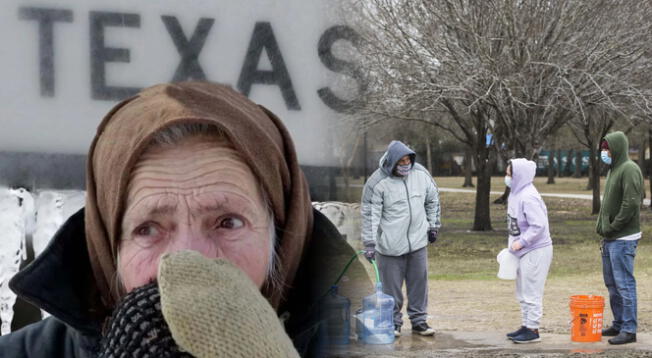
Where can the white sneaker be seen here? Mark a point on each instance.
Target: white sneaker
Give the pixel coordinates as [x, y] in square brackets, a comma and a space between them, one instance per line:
[423, 330]
[397, 331]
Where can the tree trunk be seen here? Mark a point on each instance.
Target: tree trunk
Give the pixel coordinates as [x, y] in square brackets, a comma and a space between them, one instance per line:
[641, 160]
[428, 155]
[517, 154]
[560, 163]
[568, 168]
[595, 179]
[364, 156]
[482, 220]
[641, 153]
[503, 198]
[468, 169]
[592, 154]
[578, 164]
[649, 142]
[551, 167]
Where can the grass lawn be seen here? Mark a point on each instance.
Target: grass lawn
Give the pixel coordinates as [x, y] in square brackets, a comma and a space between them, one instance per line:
[466, 295]
[464, 254]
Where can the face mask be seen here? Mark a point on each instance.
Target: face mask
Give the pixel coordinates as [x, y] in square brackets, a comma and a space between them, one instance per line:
[604, 155]
[403, 170]
[508, 181]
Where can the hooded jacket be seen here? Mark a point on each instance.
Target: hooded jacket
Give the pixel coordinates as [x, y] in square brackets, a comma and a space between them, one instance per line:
[527, 215]
[398, 211]
[620, 210]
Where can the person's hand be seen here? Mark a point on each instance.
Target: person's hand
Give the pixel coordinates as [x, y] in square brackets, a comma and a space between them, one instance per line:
[370, 252]
[213, 309]
[432, 235]
[516, 245]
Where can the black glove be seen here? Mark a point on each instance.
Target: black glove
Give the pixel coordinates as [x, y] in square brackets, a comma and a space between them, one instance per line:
[370, 252]
[137, 328]
[432, 235]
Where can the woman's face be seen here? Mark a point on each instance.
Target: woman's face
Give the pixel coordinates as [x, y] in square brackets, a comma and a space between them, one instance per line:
[198, 195]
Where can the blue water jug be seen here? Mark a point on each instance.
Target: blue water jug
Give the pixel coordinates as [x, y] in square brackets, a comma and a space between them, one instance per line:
[377, 318]
[336, 317]
[359, 324]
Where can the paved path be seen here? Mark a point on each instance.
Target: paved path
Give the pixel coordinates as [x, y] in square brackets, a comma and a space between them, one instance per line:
[552, 195]
[494, 344]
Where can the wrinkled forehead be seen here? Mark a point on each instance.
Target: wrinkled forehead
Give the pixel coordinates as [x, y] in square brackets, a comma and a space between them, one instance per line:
[198, 176]
[191, 157]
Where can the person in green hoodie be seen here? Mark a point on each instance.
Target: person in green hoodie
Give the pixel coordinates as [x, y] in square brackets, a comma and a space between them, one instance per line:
[619, 226]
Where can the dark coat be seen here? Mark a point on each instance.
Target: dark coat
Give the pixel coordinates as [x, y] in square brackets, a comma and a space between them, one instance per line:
[57, 281]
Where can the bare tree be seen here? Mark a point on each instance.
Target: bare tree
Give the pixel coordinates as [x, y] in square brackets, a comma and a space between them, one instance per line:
[516, 69]
[589, 131]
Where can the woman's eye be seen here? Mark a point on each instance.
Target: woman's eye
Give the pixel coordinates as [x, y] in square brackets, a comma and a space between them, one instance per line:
[147, 230]
[230, 223]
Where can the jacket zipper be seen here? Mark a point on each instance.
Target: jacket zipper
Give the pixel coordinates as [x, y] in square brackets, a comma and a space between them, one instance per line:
[407, 192]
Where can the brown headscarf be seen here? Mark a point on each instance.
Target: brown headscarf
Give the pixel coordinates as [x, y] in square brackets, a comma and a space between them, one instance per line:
[255, 132]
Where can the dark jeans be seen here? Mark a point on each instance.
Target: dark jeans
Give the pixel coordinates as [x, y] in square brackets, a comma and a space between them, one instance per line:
[618, 271]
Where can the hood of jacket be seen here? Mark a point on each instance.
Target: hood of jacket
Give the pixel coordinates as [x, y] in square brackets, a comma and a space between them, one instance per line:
[523, 173]
[395, 151]
[619, 147]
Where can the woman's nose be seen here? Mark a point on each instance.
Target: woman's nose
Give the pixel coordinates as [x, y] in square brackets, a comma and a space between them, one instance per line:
[195, 241]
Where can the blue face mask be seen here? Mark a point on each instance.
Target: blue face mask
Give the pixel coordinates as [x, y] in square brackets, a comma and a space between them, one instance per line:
[403, 170]
[604, 155]
[508, 181]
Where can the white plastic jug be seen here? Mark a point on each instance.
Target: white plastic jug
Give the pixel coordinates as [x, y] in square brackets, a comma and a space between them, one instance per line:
[508, 265]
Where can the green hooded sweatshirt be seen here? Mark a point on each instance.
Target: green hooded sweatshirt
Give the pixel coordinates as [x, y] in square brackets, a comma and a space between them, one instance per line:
[623, 192]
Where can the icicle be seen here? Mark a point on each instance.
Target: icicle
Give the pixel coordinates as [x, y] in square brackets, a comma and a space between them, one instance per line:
[16, 209]
[49, 217]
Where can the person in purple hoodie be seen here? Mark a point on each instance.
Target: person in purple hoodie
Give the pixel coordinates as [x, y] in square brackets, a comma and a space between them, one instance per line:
[529, 240]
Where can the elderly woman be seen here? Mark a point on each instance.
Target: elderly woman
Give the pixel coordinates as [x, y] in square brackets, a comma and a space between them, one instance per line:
[188, 166]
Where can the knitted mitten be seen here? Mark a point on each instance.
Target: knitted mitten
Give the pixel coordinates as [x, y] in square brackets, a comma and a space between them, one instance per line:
[213, 309]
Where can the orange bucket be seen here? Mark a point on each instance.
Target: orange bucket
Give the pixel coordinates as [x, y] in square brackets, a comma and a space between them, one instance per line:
[586, 318]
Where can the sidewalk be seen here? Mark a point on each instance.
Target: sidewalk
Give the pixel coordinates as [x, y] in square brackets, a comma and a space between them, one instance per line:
[494, 344]
[552, 195]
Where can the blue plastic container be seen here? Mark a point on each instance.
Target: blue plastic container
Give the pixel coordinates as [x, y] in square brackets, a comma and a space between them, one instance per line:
[376, 322]
[336, 311]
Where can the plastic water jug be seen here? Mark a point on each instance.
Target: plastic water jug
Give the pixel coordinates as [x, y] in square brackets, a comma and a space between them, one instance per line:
[359, 325]
[336, 318]
[377, 318]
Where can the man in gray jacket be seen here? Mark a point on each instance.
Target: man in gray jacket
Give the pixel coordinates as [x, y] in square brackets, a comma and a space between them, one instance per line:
[400, 216]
